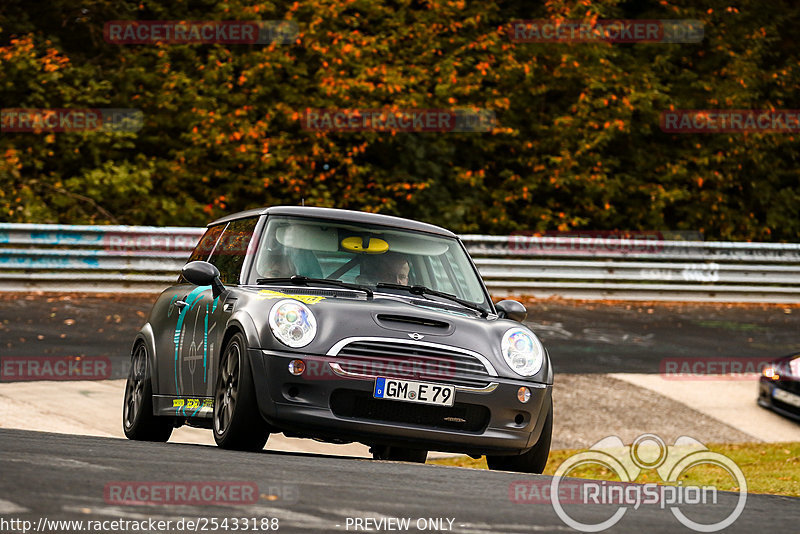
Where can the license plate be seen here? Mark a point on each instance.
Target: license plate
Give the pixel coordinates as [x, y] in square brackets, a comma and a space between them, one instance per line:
[785, 396]
[411, 391]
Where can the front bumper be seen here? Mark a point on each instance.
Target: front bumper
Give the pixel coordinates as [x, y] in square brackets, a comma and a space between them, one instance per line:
[326, 405]
[767, 392]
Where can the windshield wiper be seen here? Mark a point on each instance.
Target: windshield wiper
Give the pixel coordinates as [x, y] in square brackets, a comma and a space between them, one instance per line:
[305, 281]
[423, 290]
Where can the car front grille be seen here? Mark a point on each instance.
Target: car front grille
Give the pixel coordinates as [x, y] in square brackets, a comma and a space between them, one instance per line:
[361, 405]
[412, 361]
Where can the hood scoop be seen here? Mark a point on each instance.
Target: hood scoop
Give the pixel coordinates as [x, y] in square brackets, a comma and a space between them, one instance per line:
[412, 323]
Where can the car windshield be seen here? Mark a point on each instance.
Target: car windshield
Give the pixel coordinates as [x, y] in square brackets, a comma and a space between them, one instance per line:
[366, 255]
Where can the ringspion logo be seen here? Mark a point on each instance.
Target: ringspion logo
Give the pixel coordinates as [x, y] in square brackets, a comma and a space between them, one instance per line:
[647, 452]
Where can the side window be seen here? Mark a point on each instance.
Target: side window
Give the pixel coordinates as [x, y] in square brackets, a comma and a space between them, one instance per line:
[204, 247]
[228, 256]
[206, 243]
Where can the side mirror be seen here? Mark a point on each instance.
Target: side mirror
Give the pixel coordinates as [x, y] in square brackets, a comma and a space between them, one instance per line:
[512, 309]
[202, 273]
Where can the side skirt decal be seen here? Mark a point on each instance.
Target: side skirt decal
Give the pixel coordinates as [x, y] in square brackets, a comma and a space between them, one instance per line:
[168, 405]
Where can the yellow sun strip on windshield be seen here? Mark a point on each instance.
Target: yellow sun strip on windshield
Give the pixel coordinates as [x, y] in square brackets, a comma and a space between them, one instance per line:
[307, 299]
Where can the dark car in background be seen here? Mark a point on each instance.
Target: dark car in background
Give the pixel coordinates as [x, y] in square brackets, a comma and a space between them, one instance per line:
[779, 386]
[345, 327]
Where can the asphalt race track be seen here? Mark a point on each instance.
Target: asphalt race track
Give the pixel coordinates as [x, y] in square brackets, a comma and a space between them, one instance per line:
[582, 337]
[63, 477]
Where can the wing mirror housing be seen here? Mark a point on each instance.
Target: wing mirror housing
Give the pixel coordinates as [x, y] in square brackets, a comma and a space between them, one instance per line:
[511, 309]
[202, 273]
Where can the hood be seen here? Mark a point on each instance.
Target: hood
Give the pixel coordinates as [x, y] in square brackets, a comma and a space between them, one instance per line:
[348, 314]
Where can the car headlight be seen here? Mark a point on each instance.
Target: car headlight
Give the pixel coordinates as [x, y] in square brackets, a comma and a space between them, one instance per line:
[794, 367]
[523, 351]
[292, 323]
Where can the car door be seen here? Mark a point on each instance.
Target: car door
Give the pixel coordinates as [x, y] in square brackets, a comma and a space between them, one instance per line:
[207, 315]
[172, 321]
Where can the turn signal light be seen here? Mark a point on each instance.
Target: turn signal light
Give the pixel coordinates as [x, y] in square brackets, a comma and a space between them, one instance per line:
[769, 372]
[297, 367]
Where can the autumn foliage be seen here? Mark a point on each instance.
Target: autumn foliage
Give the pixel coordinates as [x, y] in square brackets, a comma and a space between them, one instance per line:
[577, 143]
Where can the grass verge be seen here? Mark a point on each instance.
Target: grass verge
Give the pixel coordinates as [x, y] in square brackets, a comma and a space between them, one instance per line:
[772, 468]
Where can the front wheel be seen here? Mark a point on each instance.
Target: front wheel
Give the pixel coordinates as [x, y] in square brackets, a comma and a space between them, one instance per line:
[532, 461]
[138, 420]
[238, 425]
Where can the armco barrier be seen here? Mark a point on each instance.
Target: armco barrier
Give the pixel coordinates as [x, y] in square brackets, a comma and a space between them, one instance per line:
[143, 259]
[53, 257]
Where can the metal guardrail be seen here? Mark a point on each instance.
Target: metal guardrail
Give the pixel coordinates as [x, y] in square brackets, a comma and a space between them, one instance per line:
[143, 259]
[52, 257]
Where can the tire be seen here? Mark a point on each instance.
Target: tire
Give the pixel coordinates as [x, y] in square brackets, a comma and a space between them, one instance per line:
[399, 454]
[532, 461]
[238, 425]
[138, 421]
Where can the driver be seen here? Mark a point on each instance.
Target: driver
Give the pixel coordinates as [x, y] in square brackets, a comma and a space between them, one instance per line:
[397, 268]
[390, 268]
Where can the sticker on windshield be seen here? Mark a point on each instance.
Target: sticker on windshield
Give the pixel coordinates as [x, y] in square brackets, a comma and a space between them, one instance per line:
[307, 299]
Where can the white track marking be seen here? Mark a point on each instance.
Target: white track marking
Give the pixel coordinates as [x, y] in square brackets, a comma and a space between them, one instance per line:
[8, 507]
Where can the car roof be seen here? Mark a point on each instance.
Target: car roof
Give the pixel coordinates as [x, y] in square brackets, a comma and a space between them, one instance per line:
[339, 215]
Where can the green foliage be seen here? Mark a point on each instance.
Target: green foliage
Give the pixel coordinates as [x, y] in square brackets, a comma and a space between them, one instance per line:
[577, 144]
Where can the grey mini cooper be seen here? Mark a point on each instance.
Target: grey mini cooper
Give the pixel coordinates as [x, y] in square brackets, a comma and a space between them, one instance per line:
[345, 327]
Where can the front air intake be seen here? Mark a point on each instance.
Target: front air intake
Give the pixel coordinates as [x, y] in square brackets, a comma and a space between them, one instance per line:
[411, 321]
